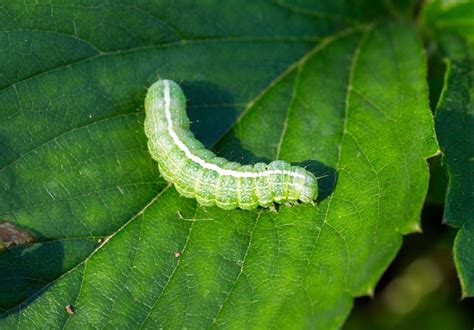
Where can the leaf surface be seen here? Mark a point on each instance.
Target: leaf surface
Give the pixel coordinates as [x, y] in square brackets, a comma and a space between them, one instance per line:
[454, 26]
[264, 80]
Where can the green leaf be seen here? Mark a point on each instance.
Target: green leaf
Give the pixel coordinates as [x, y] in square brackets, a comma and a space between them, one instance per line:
[454, 26]
[451, 24]
[264, 81]
[454, 124]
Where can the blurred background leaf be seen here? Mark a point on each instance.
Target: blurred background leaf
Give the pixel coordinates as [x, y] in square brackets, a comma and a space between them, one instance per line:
[450, 25]
[421, 289]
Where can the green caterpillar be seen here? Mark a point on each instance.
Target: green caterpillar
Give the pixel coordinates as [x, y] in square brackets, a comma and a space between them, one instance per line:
[198, 173]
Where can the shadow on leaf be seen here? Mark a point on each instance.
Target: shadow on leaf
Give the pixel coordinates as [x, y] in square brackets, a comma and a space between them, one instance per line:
[25, 269]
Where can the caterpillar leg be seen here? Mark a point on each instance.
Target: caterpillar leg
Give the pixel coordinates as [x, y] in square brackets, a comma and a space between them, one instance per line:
[272, 208]
[290, 203]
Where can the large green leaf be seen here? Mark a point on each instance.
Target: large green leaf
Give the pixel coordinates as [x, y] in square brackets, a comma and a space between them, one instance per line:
[453, 25]
[304, 82]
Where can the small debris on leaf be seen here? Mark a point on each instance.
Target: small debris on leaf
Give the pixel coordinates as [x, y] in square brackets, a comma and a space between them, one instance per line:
[69, 309]
[177, 254]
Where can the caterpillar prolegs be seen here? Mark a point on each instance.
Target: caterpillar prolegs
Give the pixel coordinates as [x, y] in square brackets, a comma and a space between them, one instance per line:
[198, 173]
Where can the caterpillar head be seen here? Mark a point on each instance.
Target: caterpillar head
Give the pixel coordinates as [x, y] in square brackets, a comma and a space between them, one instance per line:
[309, 191]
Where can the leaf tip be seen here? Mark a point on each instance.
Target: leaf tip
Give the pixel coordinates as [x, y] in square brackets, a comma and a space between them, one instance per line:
[370, 292]
[417, 228]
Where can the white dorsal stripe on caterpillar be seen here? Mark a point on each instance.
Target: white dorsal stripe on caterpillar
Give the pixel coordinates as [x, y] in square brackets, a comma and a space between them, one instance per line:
[198, 173]
[202, 162]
